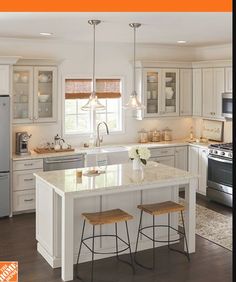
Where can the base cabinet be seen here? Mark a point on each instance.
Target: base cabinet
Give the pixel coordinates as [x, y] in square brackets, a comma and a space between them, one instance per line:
[198, 164]
[23, 183]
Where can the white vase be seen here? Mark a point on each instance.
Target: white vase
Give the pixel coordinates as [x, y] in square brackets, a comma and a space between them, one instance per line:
[137, 164]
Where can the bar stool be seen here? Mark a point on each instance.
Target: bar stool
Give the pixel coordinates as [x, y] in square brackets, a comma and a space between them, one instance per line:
[158, 209]
[100, 218]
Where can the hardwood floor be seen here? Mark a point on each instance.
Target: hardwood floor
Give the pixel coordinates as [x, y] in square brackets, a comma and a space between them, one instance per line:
[210, 262]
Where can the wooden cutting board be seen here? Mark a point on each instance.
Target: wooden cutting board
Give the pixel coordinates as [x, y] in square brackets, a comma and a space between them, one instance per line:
[47, 150]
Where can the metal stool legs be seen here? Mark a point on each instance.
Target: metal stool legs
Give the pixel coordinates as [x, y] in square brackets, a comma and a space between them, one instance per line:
[184, 236]
[136, 247]
[153, 226]
[94, 252]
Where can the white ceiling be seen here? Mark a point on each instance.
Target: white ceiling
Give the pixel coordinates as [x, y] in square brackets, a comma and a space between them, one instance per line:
[198, 29]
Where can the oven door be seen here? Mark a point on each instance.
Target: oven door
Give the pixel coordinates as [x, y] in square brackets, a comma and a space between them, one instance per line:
[220, 175]
[227, 105]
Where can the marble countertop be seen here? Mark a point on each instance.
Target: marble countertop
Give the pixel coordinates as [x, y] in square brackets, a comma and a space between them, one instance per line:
[114, 179]
[112, 148]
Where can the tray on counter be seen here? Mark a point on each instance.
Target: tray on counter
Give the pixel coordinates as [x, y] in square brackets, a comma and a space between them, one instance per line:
[48, 150]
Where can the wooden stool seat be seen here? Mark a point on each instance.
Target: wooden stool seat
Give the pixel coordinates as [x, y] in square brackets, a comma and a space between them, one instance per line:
[107, 217]
[161, 208]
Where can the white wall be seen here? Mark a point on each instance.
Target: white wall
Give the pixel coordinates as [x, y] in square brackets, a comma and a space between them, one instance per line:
[112, 60]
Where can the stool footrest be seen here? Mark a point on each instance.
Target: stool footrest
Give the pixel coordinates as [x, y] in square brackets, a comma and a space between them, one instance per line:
[105, 253]
[162, 241]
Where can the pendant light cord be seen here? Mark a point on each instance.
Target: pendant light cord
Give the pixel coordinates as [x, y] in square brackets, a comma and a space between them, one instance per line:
[134, 76]
[93, 86]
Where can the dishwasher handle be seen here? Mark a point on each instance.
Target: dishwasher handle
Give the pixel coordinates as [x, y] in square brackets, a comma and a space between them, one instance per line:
[63, 160]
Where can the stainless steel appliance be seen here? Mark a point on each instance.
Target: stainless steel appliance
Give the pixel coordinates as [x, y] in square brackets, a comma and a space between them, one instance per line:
[22, 139]
[227, 105]
[65, 162]
[220, 173]
[4, 155]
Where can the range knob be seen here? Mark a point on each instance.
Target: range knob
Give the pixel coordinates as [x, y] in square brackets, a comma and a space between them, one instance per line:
[216, 152]
[230, 155]
[222, 153]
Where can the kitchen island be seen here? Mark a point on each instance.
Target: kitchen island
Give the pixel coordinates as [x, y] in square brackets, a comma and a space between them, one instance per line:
[61, 197]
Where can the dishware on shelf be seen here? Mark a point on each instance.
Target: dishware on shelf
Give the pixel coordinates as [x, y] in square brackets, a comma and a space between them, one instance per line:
[16, 77]
[168, 79]
[152, 78]
[43, 98]
[169, 92]
[154, 94]
[45, 78]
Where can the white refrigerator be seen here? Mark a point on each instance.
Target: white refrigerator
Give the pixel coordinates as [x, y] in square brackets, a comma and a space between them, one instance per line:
[4, 155]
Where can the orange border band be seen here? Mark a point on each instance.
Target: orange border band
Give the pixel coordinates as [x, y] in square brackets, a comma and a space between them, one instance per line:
[116, 6]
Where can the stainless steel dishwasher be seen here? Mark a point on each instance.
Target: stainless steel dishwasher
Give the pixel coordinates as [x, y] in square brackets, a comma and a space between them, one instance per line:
[65, 162]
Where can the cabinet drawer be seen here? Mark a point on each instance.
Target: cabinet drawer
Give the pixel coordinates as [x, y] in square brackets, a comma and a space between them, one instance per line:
[28, 164]
[162, 152]
[24, 179]
[23, 200]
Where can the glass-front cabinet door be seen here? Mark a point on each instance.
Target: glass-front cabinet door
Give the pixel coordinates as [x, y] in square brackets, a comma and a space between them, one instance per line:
[45, 91]
[22, 94]
[170, 92]
[152, 91]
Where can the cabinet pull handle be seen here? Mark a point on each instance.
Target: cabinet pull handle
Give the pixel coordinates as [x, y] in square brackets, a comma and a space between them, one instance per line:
[28, 179]
[28, 200]
[28, 164]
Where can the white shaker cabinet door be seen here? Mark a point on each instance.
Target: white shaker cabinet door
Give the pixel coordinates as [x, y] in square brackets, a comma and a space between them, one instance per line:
[4, 79]
[228, 79]
[169, 161]
[197, 92]
[207, 93]
[193, 159]
[186, 92]
[219, 88]
[203, 165]
[181, 158]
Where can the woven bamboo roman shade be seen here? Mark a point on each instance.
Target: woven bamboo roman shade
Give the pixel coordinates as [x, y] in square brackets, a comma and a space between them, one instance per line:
[81, 88]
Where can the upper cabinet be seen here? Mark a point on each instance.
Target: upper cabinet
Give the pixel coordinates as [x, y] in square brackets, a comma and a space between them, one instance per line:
[34, 94]
[197, 92]
[170, 92]
[186, 89]
[4, 79]
[213, 85]
[228, 79]
[159, 91]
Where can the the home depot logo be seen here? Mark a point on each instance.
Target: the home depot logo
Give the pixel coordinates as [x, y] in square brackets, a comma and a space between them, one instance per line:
[8, 271]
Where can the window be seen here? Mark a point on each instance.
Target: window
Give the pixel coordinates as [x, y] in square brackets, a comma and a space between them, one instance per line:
[77, 92]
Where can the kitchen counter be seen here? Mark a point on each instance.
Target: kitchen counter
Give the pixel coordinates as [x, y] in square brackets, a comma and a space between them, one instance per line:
[112, 148]
[61, 198]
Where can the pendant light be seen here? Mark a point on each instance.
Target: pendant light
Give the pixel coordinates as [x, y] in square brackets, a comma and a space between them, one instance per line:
[134, 103]
[93, 102]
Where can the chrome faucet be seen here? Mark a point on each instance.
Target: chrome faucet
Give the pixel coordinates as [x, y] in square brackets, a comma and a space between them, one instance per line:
[99, 139]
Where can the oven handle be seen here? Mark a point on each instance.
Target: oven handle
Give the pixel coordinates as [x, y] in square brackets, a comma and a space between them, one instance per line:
[219, 160]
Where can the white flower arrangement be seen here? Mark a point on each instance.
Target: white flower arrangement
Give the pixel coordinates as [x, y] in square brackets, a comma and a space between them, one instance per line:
[141, 153]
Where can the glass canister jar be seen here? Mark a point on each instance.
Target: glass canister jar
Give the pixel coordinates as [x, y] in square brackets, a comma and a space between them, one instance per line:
[156, 136]
[167, 134]
[143, 136]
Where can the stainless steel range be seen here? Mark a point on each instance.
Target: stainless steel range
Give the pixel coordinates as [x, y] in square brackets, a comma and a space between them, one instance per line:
[220, 173]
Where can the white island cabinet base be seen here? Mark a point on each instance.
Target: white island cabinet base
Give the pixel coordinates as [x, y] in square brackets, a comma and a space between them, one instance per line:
[61, 197]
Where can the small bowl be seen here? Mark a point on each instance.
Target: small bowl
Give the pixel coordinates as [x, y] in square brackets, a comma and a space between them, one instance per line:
[168, 79]
[43, 98]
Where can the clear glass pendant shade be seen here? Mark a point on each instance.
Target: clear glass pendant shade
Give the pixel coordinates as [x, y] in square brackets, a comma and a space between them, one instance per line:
[93, 103]
[134, 103]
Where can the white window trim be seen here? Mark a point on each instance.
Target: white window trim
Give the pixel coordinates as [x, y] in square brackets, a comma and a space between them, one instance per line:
[74, 135]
